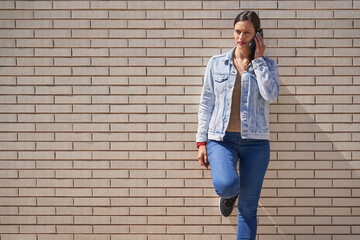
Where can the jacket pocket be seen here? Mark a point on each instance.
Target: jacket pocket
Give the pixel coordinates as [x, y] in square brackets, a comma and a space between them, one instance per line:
[220, 83]
[220, 77]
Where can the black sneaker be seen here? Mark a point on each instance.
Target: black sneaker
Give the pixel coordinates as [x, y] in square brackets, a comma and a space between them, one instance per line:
[226, 206]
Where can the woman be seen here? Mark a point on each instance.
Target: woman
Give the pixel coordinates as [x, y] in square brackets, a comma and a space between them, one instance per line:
[234, 122]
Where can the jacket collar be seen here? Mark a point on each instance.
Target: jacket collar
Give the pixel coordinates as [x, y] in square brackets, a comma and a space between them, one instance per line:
[228, 58]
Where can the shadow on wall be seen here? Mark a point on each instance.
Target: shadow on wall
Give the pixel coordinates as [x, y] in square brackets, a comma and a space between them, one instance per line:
[308, 186]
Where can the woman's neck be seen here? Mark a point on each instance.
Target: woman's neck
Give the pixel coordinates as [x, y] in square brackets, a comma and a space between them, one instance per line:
[242, 54]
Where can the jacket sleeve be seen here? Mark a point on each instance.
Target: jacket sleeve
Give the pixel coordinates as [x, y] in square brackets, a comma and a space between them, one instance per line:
[207, 103]
[267, 76]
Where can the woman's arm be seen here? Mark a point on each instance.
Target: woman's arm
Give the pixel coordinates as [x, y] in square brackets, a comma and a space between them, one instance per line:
[267, 76]
[207, 102]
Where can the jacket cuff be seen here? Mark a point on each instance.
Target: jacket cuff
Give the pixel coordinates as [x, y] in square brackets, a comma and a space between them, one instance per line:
[258, 61]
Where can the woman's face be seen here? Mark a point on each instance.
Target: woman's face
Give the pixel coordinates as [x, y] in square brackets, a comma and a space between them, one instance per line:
[244, 32]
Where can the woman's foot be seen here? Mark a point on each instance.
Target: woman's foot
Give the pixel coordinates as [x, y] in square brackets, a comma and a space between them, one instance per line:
[226, 205]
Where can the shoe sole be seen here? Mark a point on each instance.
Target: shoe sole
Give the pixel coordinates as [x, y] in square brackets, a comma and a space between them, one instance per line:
[219, 207]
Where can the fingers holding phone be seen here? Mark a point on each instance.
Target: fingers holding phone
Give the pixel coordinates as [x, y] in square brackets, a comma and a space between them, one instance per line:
[260, 46]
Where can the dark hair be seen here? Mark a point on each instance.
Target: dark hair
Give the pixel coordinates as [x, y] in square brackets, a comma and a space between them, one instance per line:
[250, 16]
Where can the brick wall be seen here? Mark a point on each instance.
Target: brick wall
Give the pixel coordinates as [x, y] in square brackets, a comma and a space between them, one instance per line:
[98, 117]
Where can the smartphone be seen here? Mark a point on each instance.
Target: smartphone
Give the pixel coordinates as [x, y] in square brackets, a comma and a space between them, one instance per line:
[252, 44]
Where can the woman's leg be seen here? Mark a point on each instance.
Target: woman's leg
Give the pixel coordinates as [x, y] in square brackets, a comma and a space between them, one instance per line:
[223, 158]
[254, 160]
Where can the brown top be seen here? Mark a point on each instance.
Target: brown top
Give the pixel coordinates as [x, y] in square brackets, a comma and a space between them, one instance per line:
[235, 121]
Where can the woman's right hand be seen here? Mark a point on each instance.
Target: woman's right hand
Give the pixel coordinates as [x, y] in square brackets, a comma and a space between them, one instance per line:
[202, 156]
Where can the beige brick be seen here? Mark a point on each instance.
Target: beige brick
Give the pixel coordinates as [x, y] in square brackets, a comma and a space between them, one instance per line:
[34, 61]
[254, 5]
[279, 183]
[34, 24]
[71, 5]
[128, 14]
[108, 61]
[135, 237]
[314, 146]
[16, 109]
[125, 71]
[219, 229]
[15, 14]
[165, 164]
[73, 192]
[169, 14]
[202, 14]
[163, 237]
[37, 228]
[7, 43]
[128, 183]
[51, 14]
[147, 174]
[346, 108]
[183, 24]
[345, 13]
[74, 210]
[163, 33]
[332, 43]
[105, 230]
[127, 34]
[146, 24]
[145, 192]
[350, 237]
[90, 14]
[332, 192]
[183, 5]
[72, 24]
[71, 42]
[92, 219]
[7, 23]
[55, 220]
[54, 183]
[17, 70]
[109, 43]
[220, 5]
[332, 229]
[7, 5]
[73, 229]
[127, 126]
[313, 164]
[334, 23]
[345, 220]
[72, 155]
[106, 4]
[129, 146]
[34, 80]
[333, 118]
[55, 236]
[146, 5]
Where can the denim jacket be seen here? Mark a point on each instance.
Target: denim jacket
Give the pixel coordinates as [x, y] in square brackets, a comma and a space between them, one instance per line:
[259, 87]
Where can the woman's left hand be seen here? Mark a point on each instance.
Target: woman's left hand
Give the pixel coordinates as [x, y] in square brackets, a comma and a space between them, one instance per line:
[260, 46]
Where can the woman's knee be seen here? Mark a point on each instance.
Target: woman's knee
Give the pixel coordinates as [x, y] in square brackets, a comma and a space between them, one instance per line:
[227, 187]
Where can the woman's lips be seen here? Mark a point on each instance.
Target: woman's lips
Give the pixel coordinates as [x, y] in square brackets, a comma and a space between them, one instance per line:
[241, 43]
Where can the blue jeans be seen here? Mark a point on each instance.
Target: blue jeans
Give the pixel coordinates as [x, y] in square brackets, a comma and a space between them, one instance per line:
[253, 156]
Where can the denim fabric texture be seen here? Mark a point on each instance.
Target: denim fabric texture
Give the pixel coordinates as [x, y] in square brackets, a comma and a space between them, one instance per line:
[253, 156]
[259, 87]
